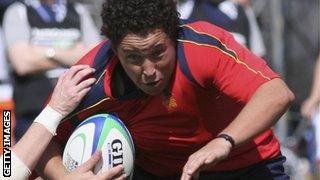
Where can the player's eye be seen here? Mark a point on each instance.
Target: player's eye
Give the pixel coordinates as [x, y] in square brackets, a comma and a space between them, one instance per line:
[134, 58]
[158, 53]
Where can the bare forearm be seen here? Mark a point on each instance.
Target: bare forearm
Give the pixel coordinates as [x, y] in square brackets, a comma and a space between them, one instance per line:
[70, 56]
[30, 143]
[50, 164]
[265, 107]
[27, 59]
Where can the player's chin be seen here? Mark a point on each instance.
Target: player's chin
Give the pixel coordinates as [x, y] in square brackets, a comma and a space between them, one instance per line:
[152, 90]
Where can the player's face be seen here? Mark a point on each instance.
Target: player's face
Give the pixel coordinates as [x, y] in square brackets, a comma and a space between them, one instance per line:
[148, 60]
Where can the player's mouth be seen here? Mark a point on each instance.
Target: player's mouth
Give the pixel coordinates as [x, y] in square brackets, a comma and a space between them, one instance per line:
[153, 83]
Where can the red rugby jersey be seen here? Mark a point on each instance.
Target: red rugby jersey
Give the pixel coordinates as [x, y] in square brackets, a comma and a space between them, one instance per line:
[213, 80]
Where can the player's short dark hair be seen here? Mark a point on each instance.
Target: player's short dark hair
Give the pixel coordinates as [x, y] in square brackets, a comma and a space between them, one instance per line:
[121, 17]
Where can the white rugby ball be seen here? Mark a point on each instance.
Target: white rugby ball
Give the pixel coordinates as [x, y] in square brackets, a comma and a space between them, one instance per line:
[107, 133]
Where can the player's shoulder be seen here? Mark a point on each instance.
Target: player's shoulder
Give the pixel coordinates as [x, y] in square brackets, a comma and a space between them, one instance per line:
[97, 54]
[16, 9]
[202, 29]
[199, 44]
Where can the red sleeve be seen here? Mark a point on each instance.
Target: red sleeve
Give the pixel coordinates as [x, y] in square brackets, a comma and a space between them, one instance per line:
[225, 64]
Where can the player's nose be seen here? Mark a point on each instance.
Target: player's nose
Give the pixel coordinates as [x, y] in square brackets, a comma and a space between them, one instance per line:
[149, 70]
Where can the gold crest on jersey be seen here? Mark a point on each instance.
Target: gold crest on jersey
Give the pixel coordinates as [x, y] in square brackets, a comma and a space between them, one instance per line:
[169, 102]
